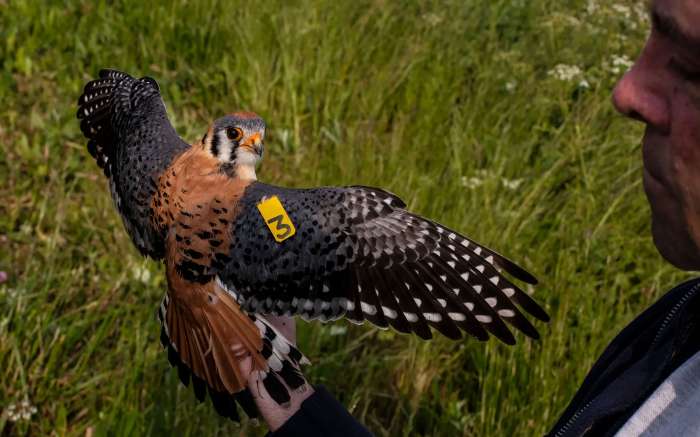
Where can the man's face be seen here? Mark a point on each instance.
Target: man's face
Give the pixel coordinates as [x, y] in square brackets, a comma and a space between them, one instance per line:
[662, 90]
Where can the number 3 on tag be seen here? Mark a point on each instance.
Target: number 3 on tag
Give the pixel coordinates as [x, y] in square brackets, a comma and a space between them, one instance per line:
[276, 218]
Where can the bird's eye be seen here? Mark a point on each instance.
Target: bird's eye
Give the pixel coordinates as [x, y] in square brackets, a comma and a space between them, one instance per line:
[234, 133]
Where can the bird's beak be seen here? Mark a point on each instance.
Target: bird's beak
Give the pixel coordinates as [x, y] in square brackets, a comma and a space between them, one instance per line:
[255, 144]
[259, 147]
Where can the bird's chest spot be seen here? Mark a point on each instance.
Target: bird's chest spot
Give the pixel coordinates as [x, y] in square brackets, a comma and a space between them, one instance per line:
[202, 234]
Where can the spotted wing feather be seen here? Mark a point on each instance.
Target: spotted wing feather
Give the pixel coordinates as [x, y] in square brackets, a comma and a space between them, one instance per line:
[357, 253]
[132, 140]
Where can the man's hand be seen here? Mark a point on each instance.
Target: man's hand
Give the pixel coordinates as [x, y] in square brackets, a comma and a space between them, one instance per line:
[274, 414]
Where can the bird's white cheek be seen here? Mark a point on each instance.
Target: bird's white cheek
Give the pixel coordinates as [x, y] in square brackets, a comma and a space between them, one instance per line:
[225, 148]
[245, 157]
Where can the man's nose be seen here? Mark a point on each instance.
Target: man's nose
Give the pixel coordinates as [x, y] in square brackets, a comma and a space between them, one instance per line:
[640, 94]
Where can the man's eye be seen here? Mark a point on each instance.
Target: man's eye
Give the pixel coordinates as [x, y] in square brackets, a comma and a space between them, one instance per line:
[687, 73]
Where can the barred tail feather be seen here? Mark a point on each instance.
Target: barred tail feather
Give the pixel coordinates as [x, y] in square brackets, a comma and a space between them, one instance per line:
[283, 362]
[208, 354]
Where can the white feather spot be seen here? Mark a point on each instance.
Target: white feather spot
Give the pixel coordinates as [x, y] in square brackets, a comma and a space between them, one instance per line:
[480, 268]
[442, 302]
[274, 363]
[506, 313]
[477, 288]
[465, 276]
[508, 291]
[489, 259]
[452, 236]
[495, 280]
[456, 291]
[451, 264]
[483, 318]
[464, 243]
[491, 301]
[390, 313]
[477, 250]
[347, 304]
[261, 326]
[417, 301]
[411, 317]
[281, 344]
[432, 317]
[458, 317]
[469, 305]
[429, 287]
[308, 305]
[443, 277]
[368, 309]
[325, 288]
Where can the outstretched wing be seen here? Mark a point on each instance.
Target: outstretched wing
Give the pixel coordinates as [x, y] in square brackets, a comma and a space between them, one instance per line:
[356, 252]
[132, 140]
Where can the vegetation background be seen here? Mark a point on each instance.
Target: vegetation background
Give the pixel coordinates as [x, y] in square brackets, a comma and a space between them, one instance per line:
[492, 116]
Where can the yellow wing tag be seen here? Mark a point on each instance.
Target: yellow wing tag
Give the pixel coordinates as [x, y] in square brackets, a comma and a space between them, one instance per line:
[276, 218]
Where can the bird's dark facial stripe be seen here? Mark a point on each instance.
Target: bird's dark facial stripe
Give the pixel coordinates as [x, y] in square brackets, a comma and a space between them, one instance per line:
[215, 145]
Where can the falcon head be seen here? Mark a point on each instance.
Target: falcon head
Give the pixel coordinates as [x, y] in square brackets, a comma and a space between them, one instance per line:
[236, 141]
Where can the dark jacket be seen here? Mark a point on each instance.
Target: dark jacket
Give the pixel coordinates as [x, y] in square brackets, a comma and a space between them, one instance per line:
[635, 363]
[321, 415]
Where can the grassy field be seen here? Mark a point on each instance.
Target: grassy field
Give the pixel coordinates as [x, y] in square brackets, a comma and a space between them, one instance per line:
[491, 116]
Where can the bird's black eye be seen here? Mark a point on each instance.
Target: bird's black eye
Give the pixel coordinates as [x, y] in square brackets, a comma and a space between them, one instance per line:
[234, 133]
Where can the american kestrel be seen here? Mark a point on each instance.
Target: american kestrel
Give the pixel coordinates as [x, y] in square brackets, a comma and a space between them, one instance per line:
[237, 250]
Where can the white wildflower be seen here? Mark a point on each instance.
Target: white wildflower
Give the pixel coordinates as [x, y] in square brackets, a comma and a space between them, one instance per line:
[565, 72]
[618, 64]
[640, 10]
[511, 184]
[622, 61]
[584, 84]
[510, 85]
[471, 182]
[623, 10]
[141, 273]
[592, 7]
[24, 411]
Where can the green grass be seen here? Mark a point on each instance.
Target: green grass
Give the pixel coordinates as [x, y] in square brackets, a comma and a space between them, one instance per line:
[437, 101]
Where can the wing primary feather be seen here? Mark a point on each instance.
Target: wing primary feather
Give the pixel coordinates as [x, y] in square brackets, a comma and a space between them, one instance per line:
[408, 307]
[429, 307]
[489, 319]
[506, 287]
[387, 300]
[369, 303]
